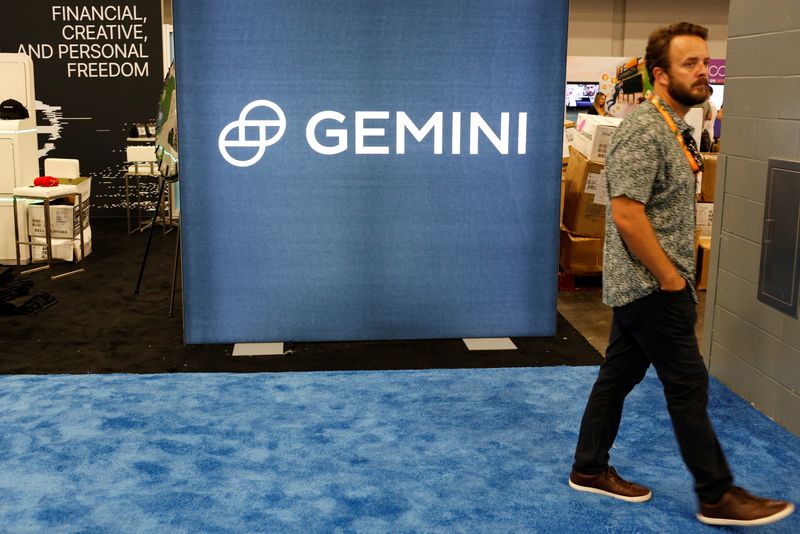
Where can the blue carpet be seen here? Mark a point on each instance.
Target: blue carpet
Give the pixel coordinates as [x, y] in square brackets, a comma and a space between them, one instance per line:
[482, 450]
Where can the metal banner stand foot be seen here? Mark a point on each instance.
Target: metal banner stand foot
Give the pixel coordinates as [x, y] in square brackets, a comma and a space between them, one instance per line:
[258, 349]
[489, 343]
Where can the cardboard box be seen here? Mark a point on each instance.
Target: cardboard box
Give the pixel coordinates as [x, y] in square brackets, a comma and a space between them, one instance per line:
[708, 181]
[593, 135]
[563, 192]
[569, 138]
[584, 209]
[64, 220]
[62, 249]
[703, 259]
[580, 255]
[84, 187]
[705, 218]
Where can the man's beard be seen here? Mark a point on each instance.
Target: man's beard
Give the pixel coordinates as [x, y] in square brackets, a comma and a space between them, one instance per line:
[684, 96]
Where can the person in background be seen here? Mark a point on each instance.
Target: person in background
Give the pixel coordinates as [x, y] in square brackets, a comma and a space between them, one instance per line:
[648, 270]
[718, 127]
[598, 106]
[709, 120]
[706, 138]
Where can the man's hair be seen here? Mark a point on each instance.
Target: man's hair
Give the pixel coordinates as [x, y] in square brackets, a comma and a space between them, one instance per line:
[657, 54]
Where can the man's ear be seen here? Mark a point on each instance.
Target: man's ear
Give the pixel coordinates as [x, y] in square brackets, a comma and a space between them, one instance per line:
[661, 76]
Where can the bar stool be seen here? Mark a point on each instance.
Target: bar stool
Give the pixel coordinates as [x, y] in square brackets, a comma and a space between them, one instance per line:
[142, 163]
[47, 194]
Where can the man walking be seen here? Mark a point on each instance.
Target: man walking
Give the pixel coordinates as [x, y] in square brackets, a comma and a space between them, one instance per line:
[647, 280]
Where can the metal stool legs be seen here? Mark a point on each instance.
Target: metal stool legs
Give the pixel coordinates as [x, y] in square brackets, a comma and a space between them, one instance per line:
[48, 239]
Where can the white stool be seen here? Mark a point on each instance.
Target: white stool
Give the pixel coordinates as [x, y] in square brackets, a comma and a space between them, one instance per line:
[62, 168]
[47, 194]
[142, 163]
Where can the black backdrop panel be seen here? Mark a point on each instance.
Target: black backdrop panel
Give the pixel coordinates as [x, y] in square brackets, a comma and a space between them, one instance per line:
[98, 69]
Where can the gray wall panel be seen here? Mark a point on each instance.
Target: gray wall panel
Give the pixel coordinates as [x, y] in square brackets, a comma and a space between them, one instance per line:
[760, 350]
[753, 348]
[759, 138]
[738, 135]
[764, 55]
[790, 108]
[761, 390]
[742, 217]
[749, 17]
[740, 257]
[745, 95]
[746, 178]
[738, 296]
[790, 331]
[776, 138]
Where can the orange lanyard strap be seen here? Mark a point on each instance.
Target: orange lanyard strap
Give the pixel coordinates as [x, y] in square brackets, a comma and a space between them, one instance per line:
[692, 156]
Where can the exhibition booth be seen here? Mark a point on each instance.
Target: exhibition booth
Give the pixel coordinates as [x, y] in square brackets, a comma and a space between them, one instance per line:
[380, 225]
[363, 196]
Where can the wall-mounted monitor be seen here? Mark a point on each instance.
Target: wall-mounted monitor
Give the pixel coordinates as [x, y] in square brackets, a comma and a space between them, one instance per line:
[580, 95]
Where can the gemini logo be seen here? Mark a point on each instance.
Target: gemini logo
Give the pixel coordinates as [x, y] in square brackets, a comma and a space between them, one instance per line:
[372, 126]
[241, 140]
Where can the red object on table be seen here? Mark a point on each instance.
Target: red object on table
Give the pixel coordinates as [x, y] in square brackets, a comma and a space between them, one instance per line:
[45, 181]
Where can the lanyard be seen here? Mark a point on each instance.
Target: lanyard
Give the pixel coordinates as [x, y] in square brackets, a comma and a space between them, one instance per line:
[692, 155]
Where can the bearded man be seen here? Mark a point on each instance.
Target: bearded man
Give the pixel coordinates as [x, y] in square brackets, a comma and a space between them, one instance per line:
[647, 279]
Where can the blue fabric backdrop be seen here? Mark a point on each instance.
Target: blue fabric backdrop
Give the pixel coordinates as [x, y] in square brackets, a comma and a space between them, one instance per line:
[300, 245]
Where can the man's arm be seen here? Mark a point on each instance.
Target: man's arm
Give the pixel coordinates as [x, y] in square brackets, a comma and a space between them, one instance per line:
[638, 234]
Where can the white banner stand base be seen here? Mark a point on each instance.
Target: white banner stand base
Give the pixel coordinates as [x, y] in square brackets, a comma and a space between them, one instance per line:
[258, 349]
[489, 343]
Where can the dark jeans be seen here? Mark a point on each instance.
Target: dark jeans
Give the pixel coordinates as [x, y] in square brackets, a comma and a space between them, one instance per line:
[657, 329]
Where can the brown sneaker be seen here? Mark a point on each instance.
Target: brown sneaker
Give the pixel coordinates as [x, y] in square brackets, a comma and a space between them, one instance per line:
[739, 508]
[610, 484]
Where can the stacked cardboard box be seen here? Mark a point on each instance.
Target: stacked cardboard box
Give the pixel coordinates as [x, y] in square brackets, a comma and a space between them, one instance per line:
[703, 259]
[63, 249]
[583, 215]
[708, 178]
[569, 137]
[64, 220]
[705, 217]
[580, 255]
[585, 197]
[65, 223]
[593, 135]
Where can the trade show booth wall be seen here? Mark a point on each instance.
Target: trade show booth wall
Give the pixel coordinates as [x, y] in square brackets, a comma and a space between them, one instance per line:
[370, 170]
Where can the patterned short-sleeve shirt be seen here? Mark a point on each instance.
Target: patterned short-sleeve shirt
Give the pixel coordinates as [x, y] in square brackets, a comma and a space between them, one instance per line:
[645, 162]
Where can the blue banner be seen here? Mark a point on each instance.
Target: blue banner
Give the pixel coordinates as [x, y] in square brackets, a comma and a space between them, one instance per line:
[369, 169]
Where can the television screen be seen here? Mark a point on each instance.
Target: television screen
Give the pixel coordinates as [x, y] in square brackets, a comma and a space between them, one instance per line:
[580, 94]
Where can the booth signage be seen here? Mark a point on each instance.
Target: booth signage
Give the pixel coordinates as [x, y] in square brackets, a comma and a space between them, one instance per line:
[369, 169]
[716, 71]
[98, 70]
[404, 125]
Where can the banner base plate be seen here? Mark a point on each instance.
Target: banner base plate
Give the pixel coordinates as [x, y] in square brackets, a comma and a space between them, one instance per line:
[489, 343]
[258, 349]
